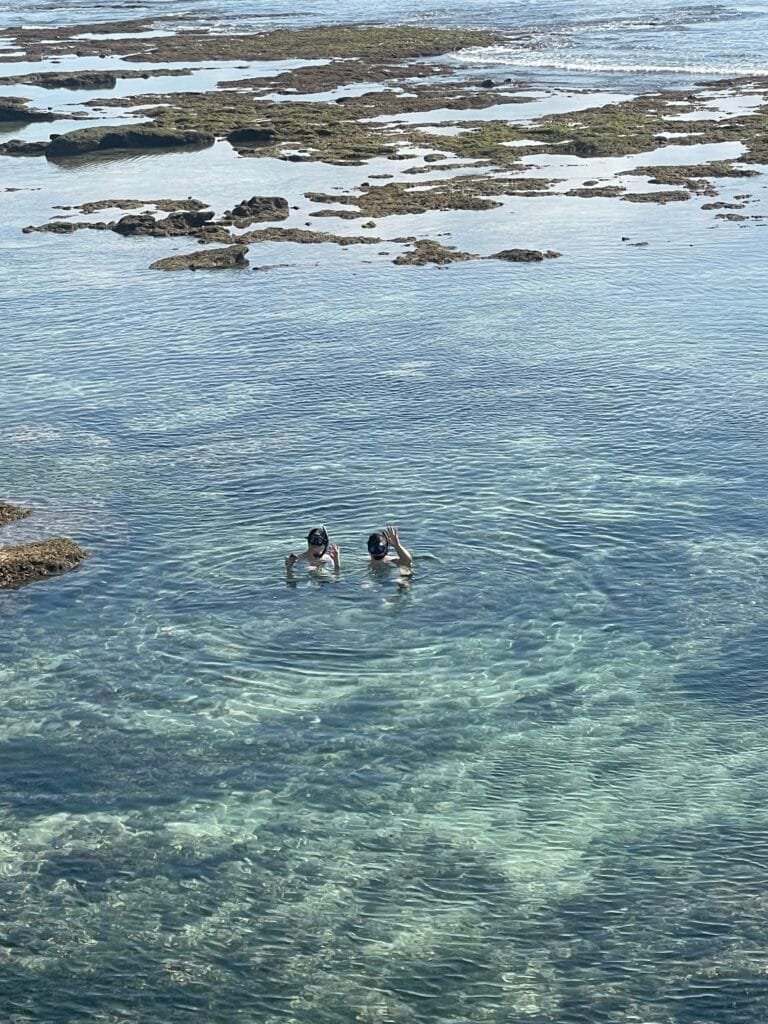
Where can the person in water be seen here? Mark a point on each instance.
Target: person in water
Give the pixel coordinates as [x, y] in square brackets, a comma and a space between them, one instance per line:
[379, 544]
[320, 553]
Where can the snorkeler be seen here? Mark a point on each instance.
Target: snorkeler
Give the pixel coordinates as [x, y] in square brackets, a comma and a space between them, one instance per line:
[378, 548]
[320, 552]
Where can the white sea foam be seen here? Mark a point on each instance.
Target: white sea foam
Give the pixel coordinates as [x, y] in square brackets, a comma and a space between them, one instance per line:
[505, 56]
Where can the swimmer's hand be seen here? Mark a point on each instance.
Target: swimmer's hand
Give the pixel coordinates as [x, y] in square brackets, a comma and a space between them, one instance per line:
[404, 556]
[291, 560]
[335, 552]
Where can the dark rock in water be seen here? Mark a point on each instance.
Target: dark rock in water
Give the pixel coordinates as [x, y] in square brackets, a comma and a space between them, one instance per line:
[15, 109]
[26, 563]
[10, 513]
[525, 255]
[670, 196]
[16, 147]
[208, 259]
[487, 83]
[55, 227]
[71, 79]
[67, 227]
[304, 237]
[722, 206]
[89, 140]
[251, 136]
[257, 208]
[598, 190]
[426, 251]
[181, 223]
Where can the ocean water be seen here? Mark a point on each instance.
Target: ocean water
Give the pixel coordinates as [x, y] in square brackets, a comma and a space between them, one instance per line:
[527, 785]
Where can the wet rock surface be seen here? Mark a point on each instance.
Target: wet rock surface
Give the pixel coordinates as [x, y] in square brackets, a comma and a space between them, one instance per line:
[428, 251]
[14, 109]
[11, 513]
[26, 563]
[208, 259]
[257, 208]
[89, 140]
[17, 147]
[525, 255]
[182, 223]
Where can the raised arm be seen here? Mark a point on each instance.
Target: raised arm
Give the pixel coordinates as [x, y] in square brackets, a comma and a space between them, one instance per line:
[403, 554]
[335, 552]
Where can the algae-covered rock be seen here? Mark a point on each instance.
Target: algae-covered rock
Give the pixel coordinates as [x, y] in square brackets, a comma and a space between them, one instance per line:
[249, 137]
[304, 237]
[373, 42]
[17, 147]
[89, 140]
[257, 208]
[604, 191]
[55, 227]
[14, 109]
[671, 196]
[10, 513]
[180, 223]
[525, 255]
[428, 251]
[68, 79]
[26, 563]
[208, 259]
[166, 205]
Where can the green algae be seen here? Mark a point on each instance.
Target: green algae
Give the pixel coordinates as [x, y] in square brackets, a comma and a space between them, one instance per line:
[669, 196]
[426, 250]
[466, 192]
[378, 43]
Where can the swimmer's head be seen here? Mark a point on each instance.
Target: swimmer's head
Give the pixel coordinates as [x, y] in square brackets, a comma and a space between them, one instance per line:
[378, 546]
[317, 541]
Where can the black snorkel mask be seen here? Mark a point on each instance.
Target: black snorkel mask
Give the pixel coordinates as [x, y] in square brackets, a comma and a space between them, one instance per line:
[378, 546]
[318, 538]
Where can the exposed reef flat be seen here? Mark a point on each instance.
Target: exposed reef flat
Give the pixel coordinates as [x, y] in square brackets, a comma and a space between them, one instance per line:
[370, 96]
[383, 43]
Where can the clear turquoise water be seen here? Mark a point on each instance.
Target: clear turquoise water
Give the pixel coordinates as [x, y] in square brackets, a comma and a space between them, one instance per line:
[528, 787]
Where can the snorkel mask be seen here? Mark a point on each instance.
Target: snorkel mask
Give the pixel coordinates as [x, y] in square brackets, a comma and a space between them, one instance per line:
[378, 546]
[318, 538]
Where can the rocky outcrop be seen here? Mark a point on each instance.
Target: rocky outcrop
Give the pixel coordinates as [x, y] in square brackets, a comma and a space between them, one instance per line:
[14, 109]
[304, 237]
[26, 563]
[89, 140]
[427, 251]
[69, 79]
[670, 196]
[255, 209]
[16, 147]
[10, 513]
[525, 255]
[182, 223]
[65, 227]
[250, 138]
[208, 259]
